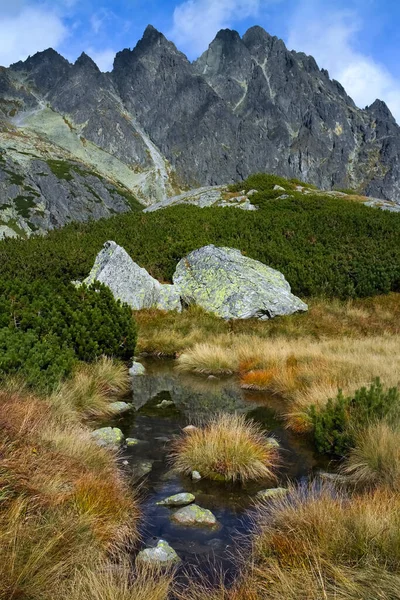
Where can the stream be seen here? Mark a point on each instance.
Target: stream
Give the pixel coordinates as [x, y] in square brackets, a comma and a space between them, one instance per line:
[165, 402]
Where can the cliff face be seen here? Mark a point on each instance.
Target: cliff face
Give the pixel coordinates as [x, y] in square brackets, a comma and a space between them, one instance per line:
[86, 141]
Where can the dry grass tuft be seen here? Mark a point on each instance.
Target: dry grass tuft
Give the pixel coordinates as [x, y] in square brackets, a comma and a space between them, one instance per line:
[228, 447]
[119, 582]
[93, 387]
[375, 460]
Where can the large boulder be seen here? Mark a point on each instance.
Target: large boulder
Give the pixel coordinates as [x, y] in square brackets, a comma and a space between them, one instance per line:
[223, 281]
[129, 282]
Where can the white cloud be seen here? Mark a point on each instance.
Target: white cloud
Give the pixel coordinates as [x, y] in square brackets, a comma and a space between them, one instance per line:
[195, 22]
[330, 36]
[27, 31]
[104, 59]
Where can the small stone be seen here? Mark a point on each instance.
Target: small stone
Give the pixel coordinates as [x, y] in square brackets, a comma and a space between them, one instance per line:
[120, 407]
[251, 193]
[108, 436]
[273, 442]
[163, 438]
[196, 476]
[182, 499]
[272, 493]
[190, 429]
[132, 442]
[142, 468]
[333, 477]
[165, 404]
[137, 369]
[125, 462]
[278, 188]
[194, 516]
[162, 554]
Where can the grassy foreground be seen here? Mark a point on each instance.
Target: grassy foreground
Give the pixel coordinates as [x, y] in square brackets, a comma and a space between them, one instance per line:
[67, 514]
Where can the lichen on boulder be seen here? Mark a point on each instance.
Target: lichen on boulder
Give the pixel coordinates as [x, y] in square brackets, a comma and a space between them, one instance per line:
[161, 555]
[195, 516]
[233, 286]
[111, 437]
[129, 282]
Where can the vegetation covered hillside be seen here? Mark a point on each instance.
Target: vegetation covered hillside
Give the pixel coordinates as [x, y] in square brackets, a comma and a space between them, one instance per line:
[324, 246]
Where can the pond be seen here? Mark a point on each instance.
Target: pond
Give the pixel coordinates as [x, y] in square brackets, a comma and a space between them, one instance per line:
[165, 402]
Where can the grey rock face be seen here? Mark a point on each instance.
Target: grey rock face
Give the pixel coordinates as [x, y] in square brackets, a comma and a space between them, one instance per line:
[131, 283]
[223, 281]
[158, 124]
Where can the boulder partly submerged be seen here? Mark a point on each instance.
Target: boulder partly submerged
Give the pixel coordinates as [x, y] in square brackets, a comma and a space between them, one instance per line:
[233, 286]
[129, 282]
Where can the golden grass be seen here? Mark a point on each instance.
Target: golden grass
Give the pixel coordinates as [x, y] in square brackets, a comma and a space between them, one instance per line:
[227, 447]
[119, 582]
[63, 501]
[162, 333]
[302, 372]
[375, 459]
[315, 545]
[93, 387]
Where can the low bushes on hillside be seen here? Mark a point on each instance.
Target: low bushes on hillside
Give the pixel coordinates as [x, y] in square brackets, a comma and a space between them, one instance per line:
[324, 246]
[45, 328]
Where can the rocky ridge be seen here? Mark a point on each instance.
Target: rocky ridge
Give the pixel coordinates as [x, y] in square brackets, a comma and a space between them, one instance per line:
[79, 144]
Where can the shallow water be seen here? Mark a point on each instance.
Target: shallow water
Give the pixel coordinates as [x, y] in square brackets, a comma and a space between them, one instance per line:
[194, 398]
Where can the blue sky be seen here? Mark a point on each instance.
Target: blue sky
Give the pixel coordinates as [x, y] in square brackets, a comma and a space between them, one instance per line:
[358, 41]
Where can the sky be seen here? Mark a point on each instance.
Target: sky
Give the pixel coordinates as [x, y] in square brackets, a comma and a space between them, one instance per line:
[358, 41]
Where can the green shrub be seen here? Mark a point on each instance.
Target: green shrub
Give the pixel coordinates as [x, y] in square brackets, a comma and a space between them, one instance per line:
[337, 424]
[324, 246]
[41, 362]
[46, 325]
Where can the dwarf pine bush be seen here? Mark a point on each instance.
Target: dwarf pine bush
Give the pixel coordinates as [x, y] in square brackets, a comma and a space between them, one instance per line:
[337, 424]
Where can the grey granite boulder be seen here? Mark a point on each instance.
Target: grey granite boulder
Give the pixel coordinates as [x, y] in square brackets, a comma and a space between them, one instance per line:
[110, 437]
[161, 555]
[233, 286]
[195, 516]
[182, 499]
[129, 282]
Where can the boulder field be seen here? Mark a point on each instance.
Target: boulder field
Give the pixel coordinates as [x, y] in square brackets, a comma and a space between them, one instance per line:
[220, 280]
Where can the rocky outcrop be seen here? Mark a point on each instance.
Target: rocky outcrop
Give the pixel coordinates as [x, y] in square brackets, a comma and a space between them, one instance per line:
[129, 282]
[233, 286]
[217, 196]
[159, 124]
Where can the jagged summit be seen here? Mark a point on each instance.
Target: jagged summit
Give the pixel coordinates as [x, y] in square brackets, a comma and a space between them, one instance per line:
[85, 62]
[159, 123]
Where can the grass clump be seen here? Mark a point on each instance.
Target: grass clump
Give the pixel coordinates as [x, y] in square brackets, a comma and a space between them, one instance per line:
[93, 387]
[375, 458]
[228, 447]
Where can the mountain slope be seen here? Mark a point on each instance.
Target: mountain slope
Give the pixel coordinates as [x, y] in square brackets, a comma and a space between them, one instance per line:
[87, 142]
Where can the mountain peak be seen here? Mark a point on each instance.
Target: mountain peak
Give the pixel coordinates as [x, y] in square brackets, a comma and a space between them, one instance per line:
[151, 35]
[85, 62]
[380, 110]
